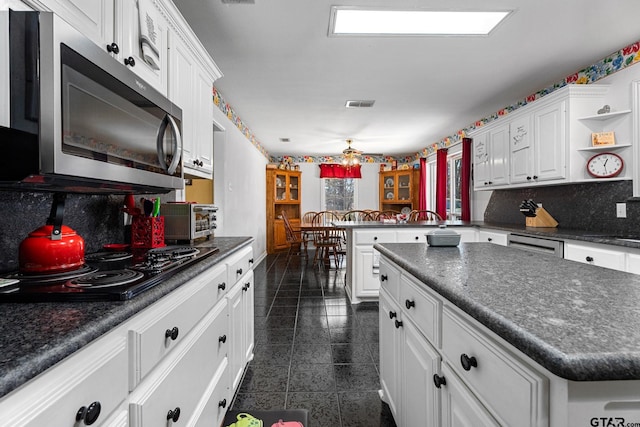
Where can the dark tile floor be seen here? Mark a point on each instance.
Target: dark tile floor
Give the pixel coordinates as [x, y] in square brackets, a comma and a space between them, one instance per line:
[313, 349]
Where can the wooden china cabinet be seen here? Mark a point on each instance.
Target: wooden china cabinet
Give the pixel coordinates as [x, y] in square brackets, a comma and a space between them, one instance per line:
[399, 189]
[283, 194]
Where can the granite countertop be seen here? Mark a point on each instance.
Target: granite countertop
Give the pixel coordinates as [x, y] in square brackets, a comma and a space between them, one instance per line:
[579, 321]
[36, 336]
[556, 233]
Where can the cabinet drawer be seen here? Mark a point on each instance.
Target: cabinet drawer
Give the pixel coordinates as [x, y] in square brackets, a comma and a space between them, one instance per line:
[390, 279]
[416, 235]
[239, 264]
[371, 237]
[494, 237]
[510, 389]
[425, 310]
[95, 374]
[595, 255]
[181, 379]
[164, 325]
[216, 401]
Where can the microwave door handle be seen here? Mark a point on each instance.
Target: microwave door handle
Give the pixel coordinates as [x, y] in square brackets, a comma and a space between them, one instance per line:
[177, 144]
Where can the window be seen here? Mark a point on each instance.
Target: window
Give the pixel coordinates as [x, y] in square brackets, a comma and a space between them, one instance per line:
[454, 186]
[339, 194]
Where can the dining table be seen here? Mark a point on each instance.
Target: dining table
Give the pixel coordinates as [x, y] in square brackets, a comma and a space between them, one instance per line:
[324, 228]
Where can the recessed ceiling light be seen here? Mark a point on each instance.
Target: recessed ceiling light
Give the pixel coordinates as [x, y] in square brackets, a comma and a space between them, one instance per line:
[350, 21]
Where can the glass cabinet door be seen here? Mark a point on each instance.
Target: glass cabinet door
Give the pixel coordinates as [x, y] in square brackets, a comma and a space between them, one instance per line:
[404, 186]
[293, 188]
[281, 187]
[389, 188]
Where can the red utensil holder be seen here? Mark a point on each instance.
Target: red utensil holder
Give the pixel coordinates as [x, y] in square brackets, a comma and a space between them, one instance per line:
[147, 232]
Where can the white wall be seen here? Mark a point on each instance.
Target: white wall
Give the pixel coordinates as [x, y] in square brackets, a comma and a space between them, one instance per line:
[239, 186]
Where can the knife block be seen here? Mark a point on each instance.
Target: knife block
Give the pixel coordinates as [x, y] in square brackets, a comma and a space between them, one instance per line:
[542, 219]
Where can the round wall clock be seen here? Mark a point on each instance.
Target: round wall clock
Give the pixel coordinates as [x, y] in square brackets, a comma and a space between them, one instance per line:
[605, 165]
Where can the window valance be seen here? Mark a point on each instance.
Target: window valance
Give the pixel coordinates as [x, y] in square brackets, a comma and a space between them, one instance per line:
[335, 170]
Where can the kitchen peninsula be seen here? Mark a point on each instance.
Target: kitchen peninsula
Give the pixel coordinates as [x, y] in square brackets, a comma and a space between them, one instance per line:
[362, 279]
[506, 337]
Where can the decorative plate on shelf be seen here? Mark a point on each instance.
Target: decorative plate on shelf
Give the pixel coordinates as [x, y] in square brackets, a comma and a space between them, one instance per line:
[406, 210]
[389, 182]
[404, 166]
[278, 182]
[390, 195]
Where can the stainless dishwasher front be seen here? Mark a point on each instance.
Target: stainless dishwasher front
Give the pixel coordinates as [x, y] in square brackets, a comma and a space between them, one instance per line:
[536, 244]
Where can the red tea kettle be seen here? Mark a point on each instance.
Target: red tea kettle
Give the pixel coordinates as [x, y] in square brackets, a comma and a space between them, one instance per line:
[52, 248]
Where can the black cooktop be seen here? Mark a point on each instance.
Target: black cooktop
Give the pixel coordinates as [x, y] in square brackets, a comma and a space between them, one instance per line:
[104, 276]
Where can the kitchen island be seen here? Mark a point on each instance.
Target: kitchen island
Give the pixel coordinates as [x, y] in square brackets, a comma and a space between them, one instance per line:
[512, 337]
[42, 343]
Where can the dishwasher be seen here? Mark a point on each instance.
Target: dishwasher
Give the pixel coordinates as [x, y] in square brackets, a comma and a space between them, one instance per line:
[536, 244]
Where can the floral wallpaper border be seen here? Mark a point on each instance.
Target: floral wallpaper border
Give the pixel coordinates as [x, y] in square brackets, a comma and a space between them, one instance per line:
[623, 58]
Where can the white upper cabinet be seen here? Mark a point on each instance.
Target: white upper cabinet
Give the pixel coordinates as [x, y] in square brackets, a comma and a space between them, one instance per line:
[549, 140]
[190, 87]
[549, 134]
[491, 157]
[92, 18]
[521, 149]
[142, 20]
[120, 26]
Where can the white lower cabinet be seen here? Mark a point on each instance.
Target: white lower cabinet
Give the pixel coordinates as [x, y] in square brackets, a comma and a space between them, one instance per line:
[493, 236]
[407, 360]
[595, 254]
[460, 408]
[179, 381]
[241, 330]
[438, 369]
[420, 362]
[92, 382]
[390, 353]
[503, 383]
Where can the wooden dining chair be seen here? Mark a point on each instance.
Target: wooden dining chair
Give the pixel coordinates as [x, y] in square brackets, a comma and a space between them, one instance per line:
[326, 238]
[424, 215]
[294, 238]
[357, 215]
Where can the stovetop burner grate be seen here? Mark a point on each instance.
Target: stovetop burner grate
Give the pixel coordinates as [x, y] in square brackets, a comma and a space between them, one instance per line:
[105, 279]
[53, 277]
[105, 276]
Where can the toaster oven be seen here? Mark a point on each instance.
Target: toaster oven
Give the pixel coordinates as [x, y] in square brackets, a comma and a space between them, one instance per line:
[188, 221]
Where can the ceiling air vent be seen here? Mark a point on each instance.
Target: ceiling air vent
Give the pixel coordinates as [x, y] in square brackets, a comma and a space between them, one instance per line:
[360, 104]
[238, 1]
[285, 140]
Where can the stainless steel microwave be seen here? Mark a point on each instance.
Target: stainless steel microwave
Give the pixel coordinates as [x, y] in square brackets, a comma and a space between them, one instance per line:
[80, 120]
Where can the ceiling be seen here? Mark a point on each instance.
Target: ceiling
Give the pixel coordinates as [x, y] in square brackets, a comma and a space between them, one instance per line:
[286, 78]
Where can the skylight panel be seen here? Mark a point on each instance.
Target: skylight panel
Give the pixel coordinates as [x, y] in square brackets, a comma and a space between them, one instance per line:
[349, 21]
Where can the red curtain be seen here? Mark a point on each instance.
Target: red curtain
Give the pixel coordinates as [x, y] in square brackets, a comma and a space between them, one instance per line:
[441, 182]
[422, 197]
[334, 170]
[466, 179]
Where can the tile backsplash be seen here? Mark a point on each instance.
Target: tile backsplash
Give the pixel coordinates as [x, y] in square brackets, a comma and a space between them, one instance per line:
[96, 218]
[588, 206]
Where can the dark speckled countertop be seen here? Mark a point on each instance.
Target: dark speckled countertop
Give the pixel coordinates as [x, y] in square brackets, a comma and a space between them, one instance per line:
[36, 336]
[579, 321]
